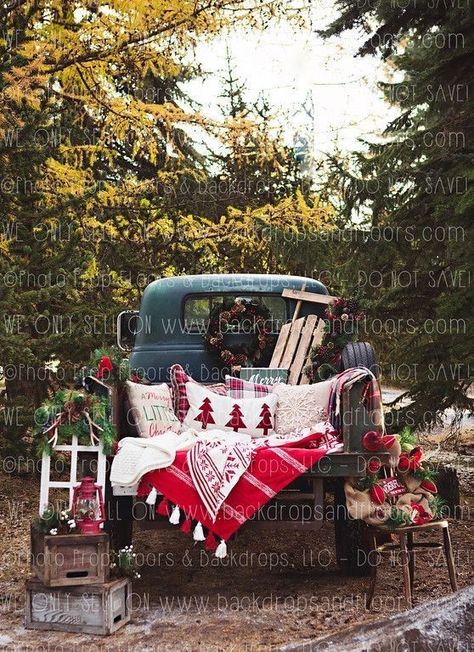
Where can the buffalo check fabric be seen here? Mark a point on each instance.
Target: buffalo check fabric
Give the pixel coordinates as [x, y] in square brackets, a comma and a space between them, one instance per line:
[178, 379]
[271, 469]
[371, 397]
[238, 388]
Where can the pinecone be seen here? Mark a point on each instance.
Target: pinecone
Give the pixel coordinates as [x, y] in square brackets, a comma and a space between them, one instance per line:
[226, 355]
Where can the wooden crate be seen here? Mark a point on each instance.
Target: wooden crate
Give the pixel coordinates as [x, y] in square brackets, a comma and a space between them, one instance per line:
[96, 609]
[70, 559]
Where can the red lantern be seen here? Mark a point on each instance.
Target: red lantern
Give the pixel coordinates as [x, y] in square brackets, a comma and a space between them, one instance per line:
[88, 506]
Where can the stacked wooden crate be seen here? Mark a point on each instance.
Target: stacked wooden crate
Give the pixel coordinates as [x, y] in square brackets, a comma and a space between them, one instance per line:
[71, 590]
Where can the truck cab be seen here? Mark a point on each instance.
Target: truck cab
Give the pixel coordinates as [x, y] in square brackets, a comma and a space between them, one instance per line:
[174, 314]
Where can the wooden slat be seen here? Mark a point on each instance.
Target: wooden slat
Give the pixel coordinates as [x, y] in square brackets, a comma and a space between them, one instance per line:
[318, 335]
[74, 448]
[301, 295]
[292, 344]
[99, 609]
[302, 350]
[298, 305]
[280, 347]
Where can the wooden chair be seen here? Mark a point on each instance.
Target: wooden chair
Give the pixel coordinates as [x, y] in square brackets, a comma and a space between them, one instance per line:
[407, 547]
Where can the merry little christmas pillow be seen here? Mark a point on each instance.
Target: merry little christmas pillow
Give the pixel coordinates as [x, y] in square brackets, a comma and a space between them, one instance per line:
[151, 409]
[249, 416]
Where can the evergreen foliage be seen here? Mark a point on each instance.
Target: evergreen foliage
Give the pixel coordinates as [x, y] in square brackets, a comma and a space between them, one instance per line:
[99, 155]
[416, 185]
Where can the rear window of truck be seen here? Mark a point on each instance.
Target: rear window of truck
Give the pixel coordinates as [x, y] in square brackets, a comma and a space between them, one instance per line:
[197, 310]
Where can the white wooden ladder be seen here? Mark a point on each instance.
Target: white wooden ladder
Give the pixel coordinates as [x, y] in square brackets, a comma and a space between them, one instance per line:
[74, 448]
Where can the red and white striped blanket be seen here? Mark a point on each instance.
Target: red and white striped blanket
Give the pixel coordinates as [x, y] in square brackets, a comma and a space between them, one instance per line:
[232, 491]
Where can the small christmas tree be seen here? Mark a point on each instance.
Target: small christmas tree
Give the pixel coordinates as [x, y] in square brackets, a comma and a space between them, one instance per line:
[236, 422]
[266, 421]
[205, 416]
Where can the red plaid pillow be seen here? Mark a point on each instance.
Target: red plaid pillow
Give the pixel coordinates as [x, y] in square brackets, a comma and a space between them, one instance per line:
[178, 379]
[238, 388]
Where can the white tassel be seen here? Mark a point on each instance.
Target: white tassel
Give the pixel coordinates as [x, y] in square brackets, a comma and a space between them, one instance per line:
[221, 550]
[198, 534]
[174, 518]
[151, 498]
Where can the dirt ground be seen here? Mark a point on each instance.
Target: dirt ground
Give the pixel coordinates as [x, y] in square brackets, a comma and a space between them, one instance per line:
[272, 589]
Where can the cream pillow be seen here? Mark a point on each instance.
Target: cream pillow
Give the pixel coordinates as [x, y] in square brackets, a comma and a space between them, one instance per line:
[300, 406]
[248, 416]
[151, 409]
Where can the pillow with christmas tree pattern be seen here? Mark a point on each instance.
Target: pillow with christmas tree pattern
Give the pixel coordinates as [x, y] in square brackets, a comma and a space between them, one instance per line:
[248, 416]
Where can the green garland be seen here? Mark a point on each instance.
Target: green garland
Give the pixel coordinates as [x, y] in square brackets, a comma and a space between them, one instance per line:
[55, 522]
[72, 412]
[407, 439]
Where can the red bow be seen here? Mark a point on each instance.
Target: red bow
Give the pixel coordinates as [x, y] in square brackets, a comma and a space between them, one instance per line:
[420, 515]
[373, 441]
[410, 461]
[105, 366]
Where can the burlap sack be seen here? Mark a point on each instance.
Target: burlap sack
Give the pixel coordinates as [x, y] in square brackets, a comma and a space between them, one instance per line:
[360, 506]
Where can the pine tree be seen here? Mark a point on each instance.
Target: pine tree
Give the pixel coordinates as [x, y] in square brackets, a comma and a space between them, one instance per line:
[236, 422]
[417, 185]
[266, 422]
[95, 140]
[205, 416]
[256, 167]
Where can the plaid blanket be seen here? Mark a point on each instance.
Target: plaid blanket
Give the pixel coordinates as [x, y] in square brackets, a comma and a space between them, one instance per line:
[371, 396]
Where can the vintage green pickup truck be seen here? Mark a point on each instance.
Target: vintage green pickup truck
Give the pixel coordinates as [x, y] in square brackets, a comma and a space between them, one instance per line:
[169, 328]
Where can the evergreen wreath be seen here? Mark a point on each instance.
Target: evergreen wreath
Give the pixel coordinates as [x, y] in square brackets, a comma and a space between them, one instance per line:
[227, 318]
[71, 412]
[341, 328]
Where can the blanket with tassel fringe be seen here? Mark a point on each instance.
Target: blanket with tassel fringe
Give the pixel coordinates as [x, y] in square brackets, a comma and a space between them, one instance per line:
[270, 471]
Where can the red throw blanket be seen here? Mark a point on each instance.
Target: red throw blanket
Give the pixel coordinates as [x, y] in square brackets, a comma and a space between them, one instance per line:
[270, 471]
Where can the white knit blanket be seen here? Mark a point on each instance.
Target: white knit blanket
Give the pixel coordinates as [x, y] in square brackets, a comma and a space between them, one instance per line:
[138, 455]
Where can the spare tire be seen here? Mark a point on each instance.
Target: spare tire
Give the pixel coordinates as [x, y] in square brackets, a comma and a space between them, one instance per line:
[359, 354]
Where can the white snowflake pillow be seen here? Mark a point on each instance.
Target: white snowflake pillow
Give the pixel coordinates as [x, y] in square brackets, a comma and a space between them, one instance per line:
[151, 409]
[248, 416]
[301, 406]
